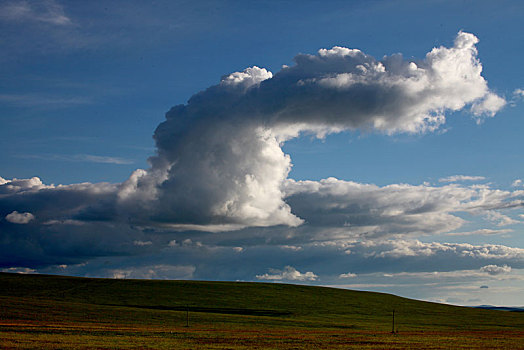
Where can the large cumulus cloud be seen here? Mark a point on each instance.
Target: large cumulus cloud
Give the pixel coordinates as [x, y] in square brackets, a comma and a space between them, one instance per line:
[219, 158]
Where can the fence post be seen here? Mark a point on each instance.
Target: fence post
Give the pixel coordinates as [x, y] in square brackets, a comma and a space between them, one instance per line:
[393, 326]
[187, 315]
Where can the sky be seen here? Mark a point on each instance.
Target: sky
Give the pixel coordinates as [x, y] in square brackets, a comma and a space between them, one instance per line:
[370, 145]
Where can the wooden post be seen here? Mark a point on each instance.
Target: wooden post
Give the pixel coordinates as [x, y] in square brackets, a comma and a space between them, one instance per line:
[393, 326]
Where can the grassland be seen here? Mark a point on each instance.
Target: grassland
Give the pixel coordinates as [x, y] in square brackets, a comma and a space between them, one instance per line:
[38, 311]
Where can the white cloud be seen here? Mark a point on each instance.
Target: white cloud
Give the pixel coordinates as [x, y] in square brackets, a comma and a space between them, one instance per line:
[495, 269]
[291, 247]
[500, 219]
[289, 273]
[415, 248]
[490, 251]
[142, 243]
[484, 231]
[517, 183]
[35, 185]
[189, 243]
[249, 77]
[518, 93]
[456, 178]
[20, 185]
[19, 218]
[488, 105]
[401, 248]
[44, 11]
[347, 275]
[351, 209]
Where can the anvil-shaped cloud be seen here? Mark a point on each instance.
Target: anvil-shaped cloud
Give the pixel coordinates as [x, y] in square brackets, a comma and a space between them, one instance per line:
[220, 160]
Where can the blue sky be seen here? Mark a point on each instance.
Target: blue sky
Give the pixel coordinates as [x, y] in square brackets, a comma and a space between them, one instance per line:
[85, 85]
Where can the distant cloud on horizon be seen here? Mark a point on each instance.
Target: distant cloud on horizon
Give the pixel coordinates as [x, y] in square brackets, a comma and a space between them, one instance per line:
[289, 273]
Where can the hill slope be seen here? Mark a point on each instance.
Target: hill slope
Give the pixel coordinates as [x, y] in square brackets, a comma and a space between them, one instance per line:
[65, 301]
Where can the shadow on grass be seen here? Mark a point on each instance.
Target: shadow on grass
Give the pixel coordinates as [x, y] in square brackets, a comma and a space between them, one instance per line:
[215, 310]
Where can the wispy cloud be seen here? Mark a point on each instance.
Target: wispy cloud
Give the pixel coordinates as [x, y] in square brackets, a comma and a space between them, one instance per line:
[518, 93]
[484, 231]
[456, 178]
[46, 11]
[79, 158]
[500, 219]
[42, 101]
[103, 159]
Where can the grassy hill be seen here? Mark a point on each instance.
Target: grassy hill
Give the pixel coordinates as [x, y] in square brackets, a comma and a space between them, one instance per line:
[57, 312]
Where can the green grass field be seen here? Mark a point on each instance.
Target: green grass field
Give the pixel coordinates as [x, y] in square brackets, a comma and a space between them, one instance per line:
[39, 311]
